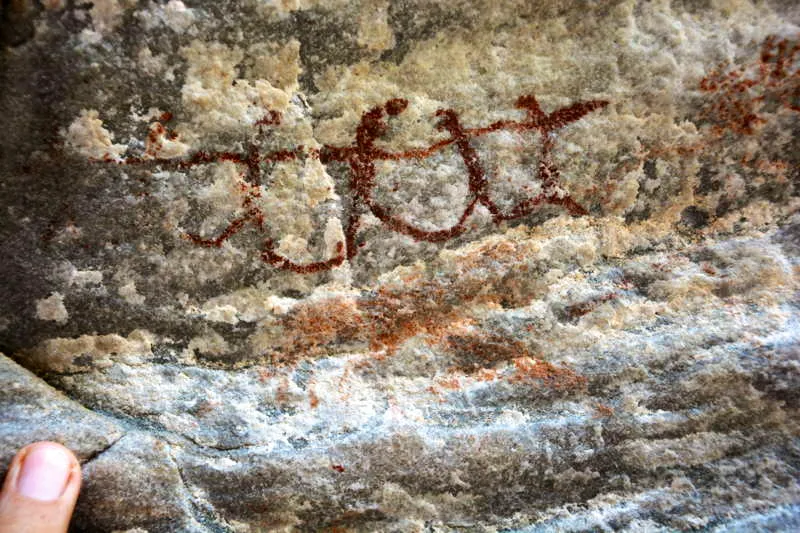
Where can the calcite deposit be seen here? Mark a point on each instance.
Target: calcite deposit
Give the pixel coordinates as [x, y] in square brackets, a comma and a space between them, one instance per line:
[405, 266]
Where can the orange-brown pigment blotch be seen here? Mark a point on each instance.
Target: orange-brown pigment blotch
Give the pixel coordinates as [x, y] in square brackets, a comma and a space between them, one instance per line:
[603, 410]
[477, 351]
[396, 314]
[313, 399]
[361, 156]
[449, 383]
[436, 306]
[530, 370]
[381, 322]
[265, 374]
[309, 328]
[282, 392]
[487, 374]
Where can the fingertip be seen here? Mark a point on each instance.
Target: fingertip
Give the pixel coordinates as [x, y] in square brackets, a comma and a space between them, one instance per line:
[46, 471]
[40, 489]
[73, 485]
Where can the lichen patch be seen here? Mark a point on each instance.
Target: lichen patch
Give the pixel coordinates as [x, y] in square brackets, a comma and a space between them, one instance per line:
[217, 99]
[87, 136]
[88, 352]
[52, 308]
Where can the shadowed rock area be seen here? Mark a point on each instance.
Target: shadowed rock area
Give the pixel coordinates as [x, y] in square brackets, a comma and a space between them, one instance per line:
[405, 266]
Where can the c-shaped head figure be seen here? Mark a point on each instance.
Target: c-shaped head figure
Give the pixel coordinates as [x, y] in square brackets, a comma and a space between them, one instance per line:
[373, 125]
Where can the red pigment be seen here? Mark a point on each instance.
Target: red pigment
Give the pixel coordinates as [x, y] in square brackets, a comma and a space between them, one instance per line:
[361, 156]
[740, 93]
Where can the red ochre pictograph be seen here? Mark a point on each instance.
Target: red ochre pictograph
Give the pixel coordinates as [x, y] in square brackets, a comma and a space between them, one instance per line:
[740, 93]
[361, 157]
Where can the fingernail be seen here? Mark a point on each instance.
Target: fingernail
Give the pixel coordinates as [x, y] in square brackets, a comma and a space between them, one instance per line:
[44, 473]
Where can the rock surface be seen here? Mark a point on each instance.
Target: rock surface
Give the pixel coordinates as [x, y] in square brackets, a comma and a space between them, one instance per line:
[33, 411]
[405, 265]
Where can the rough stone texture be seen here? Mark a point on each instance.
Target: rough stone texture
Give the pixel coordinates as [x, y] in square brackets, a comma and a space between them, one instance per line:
[405, 265]
[33, 411]
[139, 476]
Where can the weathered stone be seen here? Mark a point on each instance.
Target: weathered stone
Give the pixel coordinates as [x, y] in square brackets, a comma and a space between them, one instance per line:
[31, 411]
[442, 265]
[138, 476]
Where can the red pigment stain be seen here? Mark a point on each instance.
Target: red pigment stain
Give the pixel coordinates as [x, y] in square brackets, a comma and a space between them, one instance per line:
[313, 399]
[272, 118]
[740, 93]
[338, 468]
[735, 101]
[529, 369]
[603, 410]
[360, 157]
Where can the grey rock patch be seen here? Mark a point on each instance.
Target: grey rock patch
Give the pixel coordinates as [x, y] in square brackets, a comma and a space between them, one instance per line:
[135, 484]
[31, 410]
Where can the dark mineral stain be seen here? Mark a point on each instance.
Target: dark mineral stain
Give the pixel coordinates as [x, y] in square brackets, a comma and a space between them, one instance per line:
[695, 218]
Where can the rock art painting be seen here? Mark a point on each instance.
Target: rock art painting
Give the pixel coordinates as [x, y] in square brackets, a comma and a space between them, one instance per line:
[360, 158]
[405, 266]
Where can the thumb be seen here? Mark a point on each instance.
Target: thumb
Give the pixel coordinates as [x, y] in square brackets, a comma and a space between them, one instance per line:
[40, 490]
